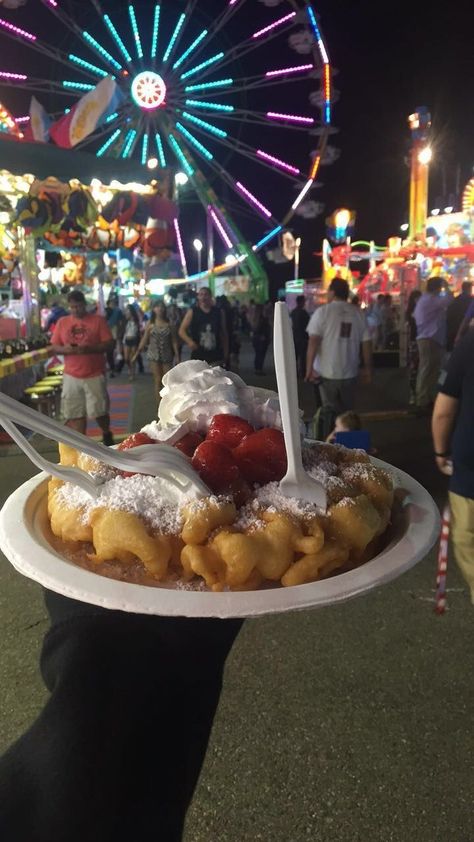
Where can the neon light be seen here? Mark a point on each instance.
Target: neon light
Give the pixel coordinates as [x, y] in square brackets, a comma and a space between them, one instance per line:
[268, 237]
[20, 77]
[204, 124]
[191, 48]
[78, 86]
[199, 67]
[174, 37]
[156, 27]
[108, 143]
[128, 143]
[327, 93]
[144, 148]
[303, 193]
[180, 247]
[277, 162]
[316, 30]
[273, 25]
[90, 40]
[180, 155]
[22, 119]
[221, 83]
[148, 90]
[292, 118]
[253, 200]
[225, 237]
[87, 65]
[136, 34]
[111, 117]
[300, 68]
[315, 167]
[161, 151]
[211, 106]
[117, 39]
[17, 31]
[52, 3]
[202, 149]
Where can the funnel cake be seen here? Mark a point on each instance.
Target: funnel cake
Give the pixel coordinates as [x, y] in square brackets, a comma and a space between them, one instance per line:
[246, 534]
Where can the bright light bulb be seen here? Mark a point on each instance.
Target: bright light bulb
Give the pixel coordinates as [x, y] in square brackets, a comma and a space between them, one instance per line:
[197, 245]
[449, 209]
[181, 179]
[152, 163]
[425, 155]
[404, 227]
[230, 259]
[435, 212]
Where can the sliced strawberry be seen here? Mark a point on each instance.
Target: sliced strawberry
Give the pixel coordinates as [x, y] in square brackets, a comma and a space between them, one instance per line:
[135, 440]
[261, 457]
[228, 430]
[188, 443]
[215, 464]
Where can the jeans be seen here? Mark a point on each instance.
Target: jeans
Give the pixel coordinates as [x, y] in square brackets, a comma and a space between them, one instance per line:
[338, 395]
[117, 750]
[430, 358]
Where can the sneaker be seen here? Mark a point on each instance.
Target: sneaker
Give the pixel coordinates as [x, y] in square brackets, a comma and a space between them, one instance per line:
[108, 439]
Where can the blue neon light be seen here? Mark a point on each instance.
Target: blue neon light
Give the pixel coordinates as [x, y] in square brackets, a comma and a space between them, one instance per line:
[195, 142]
[161, 151]
[87, 65]
[268, 237]
[108, 143]
[78, 86]
[174, 37]
[204, 124]
[156, 26]
[100, 49]
[201, 66]
[209, 106]
[128, 143]
[180, 155]
[136, 34]
[220, 83]
[190, 49]
[117, 39]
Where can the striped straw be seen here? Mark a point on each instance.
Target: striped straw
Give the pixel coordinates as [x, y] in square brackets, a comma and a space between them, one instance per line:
[440, 599]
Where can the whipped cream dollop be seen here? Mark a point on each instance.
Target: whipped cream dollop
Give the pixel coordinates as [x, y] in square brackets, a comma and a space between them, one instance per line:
[193, 392]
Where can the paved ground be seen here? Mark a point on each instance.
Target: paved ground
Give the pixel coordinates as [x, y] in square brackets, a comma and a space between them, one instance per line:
[349, 723]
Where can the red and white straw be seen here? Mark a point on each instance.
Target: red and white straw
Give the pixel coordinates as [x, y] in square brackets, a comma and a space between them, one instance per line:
[440, 599]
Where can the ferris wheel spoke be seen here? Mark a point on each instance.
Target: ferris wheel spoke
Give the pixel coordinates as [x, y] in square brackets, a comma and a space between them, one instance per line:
[278, 120]
[178, 31]
[221, 21]
[84, 36]
[30, 40]
[114, 138]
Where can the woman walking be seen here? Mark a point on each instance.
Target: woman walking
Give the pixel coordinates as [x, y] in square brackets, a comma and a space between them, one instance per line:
[131, 339]
[162, 341]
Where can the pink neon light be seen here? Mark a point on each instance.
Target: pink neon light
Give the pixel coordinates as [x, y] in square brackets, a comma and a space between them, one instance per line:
[52, 3]
[253, 199]
[232, 2]
[221, 229]
[17, 31]
[292, 118]
[19, 76]
[277, 162]
[278, 22]
[298, 69]
[180, 247]
[22, 119]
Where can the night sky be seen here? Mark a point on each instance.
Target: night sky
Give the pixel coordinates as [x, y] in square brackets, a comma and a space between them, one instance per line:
[391, 58]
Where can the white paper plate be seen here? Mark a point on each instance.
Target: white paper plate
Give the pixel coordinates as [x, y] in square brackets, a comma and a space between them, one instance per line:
[24, 527]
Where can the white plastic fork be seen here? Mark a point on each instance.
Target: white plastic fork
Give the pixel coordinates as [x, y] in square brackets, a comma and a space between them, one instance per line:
[155, 460]
[296, 482]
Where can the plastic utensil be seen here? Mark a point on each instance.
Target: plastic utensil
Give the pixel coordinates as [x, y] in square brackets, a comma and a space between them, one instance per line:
[88, 483]
[296, 482]
[155, 460]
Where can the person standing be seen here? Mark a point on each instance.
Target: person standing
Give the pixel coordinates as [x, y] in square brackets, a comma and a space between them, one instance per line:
[452, 426]
[413, 358]
[300, 318]
[84, 339]
[337, 331]
[161, 339]
[456, 312]
[115, 322]
[204, 330]
[260, 337]
[430, 318]
[131, 339]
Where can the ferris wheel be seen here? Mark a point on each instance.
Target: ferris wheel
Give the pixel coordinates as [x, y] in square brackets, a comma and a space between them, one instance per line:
[237, 94]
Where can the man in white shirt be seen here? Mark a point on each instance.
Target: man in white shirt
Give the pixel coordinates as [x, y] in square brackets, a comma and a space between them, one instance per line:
[337, 330]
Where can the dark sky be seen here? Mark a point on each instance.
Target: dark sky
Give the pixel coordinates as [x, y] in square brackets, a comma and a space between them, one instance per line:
[391, 58]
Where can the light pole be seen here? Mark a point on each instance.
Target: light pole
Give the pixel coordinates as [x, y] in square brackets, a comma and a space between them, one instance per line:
[297, 257]
[198, 246]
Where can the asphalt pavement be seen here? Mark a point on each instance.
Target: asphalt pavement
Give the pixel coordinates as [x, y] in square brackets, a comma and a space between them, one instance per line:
[351, 723]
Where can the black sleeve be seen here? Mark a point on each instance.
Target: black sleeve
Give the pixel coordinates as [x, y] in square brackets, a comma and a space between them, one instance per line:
[452, 379]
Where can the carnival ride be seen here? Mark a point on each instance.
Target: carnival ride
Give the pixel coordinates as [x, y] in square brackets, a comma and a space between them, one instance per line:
[215, 93]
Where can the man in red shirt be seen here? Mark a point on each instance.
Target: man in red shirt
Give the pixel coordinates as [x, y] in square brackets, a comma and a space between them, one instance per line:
[83, 339]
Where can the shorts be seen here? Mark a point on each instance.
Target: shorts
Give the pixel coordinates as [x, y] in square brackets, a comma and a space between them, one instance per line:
[131, 343]
[84, 398]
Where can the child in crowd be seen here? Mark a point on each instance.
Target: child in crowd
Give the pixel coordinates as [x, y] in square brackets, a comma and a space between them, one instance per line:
[348, 431]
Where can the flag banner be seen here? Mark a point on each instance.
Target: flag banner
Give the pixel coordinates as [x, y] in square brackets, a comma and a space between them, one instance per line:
[40, 121]
[90, 112]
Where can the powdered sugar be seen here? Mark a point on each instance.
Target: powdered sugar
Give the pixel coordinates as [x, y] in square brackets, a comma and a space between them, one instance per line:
[158, 502]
